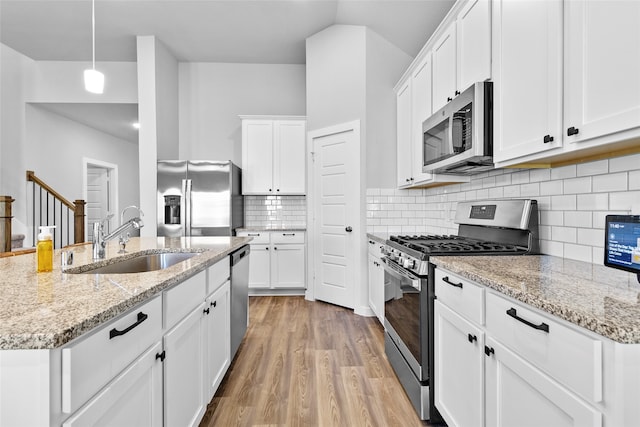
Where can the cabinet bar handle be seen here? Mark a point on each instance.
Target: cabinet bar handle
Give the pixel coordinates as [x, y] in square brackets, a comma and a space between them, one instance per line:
[213, 304]
[446, 280]
[114, 332]
[449, 99]
[253, 234]
[488, 350]
[161, 356]
[472, 338]
[547, 139]
[206, 311]
[542, 326]
[572, 131]
[288, 234]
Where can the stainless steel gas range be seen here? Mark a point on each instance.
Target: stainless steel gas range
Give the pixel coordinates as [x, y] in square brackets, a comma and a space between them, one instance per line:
[488, 227]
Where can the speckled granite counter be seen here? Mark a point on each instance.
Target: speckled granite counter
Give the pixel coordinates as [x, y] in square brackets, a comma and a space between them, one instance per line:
[378, 237]
[47, 310]
[601, 299]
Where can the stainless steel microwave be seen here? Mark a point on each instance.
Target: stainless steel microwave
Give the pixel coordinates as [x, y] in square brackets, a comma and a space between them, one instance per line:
[458, 138]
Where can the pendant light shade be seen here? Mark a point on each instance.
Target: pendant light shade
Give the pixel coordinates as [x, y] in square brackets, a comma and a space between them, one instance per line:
[93, 79]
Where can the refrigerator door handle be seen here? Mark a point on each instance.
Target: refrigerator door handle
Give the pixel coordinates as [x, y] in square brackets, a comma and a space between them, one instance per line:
[185, 211]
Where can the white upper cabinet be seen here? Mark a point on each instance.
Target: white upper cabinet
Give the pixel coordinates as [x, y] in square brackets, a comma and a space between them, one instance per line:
[528, 77]
[404, 140]
[420, 111]
[273, 155]
[473, 38]
[566, 80]
[462, 54]
[602, 68]
[444, 68]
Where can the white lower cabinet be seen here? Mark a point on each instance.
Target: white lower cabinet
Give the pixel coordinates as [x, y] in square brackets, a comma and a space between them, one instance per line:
[217, 339]
[184, 402]
[133, 398]
[278, 260]
[376, 280]
[459, 372]
[501, 363]
[518, 394]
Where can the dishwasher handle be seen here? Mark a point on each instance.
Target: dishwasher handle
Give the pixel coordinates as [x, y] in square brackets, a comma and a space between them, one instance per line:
[238, 255]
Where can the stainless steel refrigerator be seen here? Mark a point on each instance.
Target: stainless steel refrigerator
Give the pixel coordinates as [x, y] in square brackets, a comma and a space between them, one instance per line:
[199, 198]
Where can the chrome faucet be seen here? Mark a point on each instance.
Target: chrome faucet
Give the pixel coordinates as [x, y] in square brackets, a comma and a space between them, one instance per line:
[100, 239]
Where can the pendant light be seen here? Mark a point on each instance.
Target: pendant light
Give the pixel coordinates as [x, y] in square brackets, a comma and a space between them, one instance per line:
[93, 79]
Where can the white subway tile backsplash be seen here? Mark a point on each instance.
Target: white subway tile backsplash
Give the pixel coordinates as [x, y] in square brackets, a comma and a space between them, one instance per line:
[634, 180]
[577, 185]
[287, 211]
[593, 168]
[577, 252]
[563, 203]
[592, 202]
[572, 200]
[625, 163]
[610, 182]
[564, 234]
[578, 219]
[564, 172]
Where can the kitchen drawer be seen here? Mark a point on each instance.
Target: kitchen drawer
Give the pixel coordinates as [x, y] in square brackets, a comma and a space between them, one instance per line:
[280, 237]
[461, 295]
[568, 356]
[375, 248]
[184, 297]
[259, 237]
[92, 361]
[217, 274]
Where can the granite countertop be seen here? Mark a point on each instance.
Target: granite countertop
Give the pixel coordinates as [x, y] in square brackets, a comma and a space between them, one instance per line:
[378, 237]
[598, 298]
[47, 310]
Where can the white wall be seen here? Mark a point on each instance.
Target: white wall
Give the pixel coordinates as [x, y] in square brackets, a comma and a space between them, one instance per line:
[15, 72]
[385, 65]
[336, 77]
[213, 95]
[55, 147]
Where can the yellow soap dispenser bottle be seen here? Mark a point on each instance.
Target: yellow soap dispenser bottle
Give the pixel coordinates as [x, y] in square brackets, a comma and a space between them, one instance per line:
[44, 248]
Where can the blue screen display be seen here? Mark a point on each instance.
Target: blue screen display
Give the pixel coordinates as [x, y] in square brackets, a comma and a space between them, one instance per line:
[622, 242]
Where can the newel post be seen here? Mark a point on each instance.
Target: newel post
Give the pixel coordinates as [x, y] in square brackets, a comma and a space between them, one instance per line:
[78, 221]
[5, 223]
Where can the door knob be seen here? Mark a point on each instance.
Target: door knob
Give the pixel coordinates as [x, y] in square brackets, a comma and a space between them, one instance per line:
[348, 229]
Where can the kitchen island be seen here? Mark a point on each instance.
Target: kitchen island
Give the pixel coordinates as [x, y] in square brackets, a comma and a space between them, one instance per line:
[73, 344]
[561, 335]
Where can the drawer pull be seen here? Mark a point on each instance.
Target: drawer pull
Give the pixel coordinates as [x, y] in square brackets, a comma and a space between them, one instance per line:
[542, 326]
[288, 234]
[161, 356]
[205, 311]
[253, 234]
[114, 332]
[446, 280]
[488, 350]
[472, 338]
[213, 304]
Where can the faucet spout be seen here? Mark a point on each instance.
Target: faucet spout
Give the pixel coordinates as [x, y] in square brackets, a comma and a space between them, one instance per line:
[100, 239]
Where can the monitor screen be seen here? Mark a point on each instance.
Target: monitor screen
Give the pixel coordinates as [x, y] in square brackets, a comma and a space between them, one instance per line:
[622, 242]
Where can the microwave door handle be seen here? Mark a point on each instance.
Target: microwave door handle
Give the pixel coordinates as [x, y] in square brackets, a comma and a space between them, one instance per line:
[450, 135]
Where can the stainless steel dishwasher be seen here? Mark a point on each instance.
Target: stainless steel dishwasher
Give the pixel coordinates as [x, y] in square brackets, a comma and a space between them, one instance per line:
[239, 297]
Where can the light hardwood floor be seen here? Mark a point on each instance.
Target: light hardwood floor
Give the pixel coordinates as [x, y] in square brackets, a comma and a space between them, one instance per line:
[306, 363]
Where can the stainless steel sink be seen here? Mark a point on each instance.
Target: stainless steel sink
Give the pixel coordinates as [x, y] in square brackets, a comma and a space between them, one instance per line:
[138, 264]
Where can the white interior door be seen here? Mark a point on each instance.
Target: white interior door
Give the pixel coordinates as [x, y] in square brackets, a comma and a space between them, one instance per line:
[97, 206]
[336, 183]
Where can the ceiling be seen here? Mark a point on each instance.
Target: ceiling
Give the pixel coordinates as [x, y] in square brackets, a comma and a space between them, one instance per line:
[237, 31]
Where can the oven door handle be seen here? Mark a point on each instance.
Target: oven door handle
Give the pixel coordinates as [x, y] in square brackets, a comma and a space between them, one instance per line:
[400, 273]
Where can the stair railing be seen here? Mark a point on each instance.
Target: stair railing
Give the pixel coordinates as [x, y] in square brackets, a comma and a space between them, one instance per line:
[48, 207]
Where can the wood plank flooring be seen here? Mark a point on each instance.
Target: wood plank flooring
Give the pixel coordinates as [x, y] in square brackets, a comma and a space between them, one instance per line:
[306, 363]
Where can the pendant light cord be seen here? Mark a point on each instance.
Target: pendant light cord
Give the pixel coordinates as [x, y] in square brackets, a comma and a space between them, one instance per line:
[93, 32]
